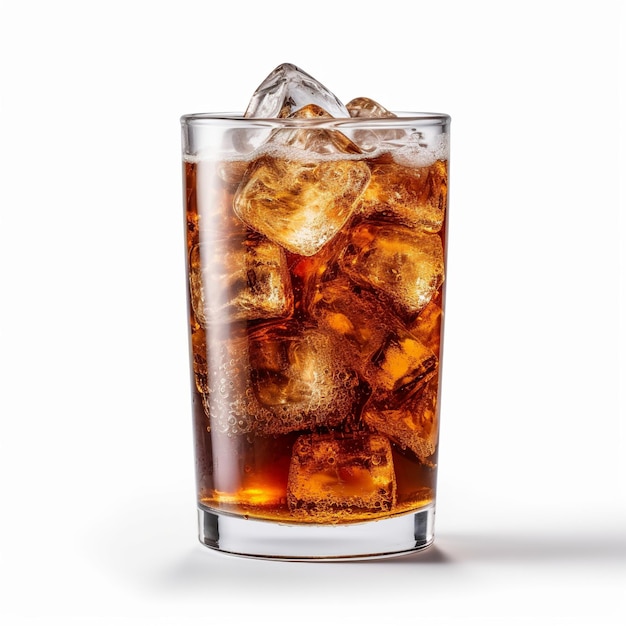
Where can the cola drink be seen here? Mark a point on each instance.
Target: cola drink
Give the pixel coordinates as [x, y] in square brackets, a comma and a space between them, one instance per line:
[316, 253]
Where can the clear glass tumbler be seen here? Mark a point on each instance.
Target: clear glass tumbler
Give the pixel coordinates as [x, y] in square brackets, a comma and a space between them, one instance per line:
[316, 264]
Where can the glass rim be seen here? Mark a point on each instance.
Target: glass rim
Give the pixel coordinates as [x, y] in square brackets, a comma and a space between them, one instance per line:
[403, 118]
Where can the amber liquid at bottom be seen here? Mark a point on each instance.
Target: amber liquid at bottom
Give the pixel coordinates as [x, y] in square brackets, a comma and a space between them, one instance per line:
[254, 483]
[319, 403]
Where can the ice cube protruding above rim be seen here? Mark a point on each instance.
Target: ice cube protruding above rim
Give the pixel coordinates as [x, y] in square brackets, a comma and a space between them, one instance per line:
[287, 89]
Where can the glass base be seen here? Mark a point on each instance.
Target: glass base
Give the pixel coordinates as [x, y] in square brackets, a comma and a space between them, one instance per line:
[271, 540]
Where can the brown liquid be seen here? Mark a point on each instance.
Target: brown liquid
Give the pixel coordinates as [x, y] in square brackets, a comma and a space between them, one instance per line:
[316, 359]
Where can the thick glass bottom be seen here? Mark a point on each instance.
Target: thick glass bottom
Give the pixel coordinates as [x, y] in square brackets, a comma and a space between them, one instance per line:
[302, 542]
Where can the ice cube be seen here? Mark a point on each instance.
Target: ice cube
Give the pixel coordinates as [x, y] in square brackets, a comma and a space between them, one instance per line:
[209, 202]
[355, 317]
[413, 196]
[427, 326]
[299, 380]
[371, 139]
[320, 141]
[366, 107]
[333, 477]
[301, 205]
[287, 89]
[403, 365]
[414, 425]
[393, 361]
[280, 379]
[216, 184]
[232, 280]
[404, 265]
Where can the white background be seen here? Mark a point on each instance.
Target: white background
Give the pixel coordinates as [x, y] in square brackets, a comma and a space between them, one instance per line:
[96, 472]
